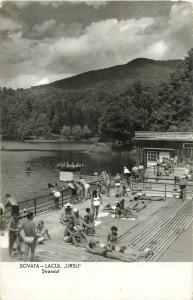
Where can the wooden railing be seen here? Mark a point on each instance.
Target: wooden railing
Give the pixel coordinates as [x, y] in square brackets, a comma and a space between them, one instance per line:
[171, 188]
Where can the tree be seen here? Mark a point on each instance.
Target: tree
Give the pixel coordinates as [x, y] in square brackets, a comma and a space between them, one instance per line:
[66, 131]
[77, 131]
[86, 132]
[117, 121]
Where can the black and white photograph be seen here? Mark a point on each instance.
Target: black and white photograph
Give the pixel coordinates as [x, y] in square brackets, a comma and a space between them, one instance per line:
[96, 131]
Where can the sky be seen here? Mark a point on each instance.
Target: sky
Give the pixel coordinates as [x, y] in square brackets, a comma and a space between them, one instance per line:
[44, 41]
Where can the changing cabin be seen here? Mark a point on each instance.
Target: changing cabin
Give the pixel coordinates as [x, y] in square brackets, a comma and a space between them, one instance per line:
[153, 146]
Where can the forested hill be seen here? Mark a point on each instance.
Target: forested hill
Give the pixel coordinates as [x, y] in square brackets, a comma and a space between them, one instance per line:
[111, 103]
[140, 69]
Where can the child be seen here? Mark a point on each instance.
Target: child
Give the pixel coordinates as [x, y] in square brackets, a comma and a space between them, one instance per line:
[112, 238]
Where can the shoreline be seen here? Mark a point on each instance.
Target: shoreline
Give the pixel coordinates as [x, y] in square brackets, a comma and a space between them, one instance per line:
[88, 146]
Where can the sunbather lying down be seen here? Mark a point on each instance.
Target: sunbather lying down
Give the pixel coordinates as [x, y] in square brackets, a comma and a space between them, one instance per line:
[122, 253]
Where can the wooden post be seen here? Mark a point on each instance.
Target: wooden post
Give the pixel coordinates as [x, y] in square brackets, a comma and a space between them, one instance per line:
[165, 192]
[138, 153]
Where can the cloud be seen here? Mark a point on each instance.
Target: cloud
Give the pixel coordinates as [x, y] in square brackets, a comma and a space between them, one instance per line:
[54, 50]
[96, 4]
[22, 4]
[54, 29]
[8, 24]
[56, 4]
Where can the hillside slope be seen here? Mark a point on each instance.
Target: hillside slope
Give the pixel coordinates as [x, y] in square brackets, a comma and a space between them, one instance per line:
[140, 69]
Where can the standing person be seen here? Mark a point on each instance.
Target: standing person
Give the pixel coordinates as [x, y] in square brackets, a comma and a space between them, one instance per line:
[89, 222]
[56, 195]
[29, 235]
[13, 234]
[107, 181]
[51, 188]
[73, 189]
[96, 201]
[141, 172]
[2, 217]
[182, 184]
[86, 186]
[79, 190]
[127, 174]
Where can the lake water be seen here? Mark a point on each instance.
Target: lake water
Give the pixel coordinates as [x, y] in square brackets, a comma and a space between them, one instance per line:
[43, 158]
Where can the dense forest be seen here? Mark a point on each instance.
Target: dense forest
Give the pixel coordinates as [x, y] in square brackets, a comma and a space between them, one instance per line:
[110, 109]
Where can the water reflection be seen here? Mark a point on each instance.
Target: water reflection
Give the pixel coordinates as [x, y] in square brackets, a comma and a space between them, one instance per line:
[43, 164]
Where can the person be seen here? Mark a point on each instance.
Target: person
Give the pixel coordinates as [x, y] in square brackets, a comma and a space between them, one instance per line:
[79, 190]
[13, 234]
[56, 195]
[175, 161]
[121, 211]
[2, 217]
[123, 188]
[166, 168]
[141, 171]
[158, 169]
[117, 185]
[112, 238]
[135, 172]
[51, 188]
[89, 222]
[183, 184]
[127, 174]
[42, 232]
[107, 183]
[67, 214]
[103, 175]
[12, 203]
[73, 189]
[125, 254]
[96, 201]
[74, 234]
[28, 234]
[76, 217]
[87, 192]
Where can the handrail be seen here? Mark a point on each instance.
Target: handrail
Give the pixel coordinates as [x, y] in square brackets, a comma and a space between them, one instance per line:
[33, 205]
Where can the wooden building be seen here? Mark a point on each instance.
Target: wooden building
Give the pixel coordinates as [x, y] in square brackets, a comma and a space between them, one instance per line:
[153, 146]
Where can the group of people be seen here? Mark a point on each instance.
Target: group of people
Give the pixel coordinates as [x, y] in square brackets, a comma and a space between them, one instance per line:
[77, 228]
[166, 166]
[24, 236]
[114, 250]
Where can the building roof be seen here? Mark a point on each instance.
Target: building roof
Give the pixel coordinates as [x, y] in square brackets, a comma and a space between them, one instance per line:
[163, 136]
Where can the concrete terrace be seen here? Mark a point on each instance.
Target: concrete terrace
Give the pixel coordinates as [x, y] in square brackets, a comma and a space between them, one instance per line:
[160, 225]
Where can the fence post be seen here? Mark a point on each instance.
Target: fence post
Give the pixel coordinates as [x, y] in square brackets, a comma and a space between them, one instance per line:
[35, 206]
[62, 198]
[165, 192]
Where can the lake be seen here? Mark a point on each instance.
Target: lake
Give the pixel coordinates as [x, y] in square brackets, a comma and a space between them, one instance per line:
[43, 158]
